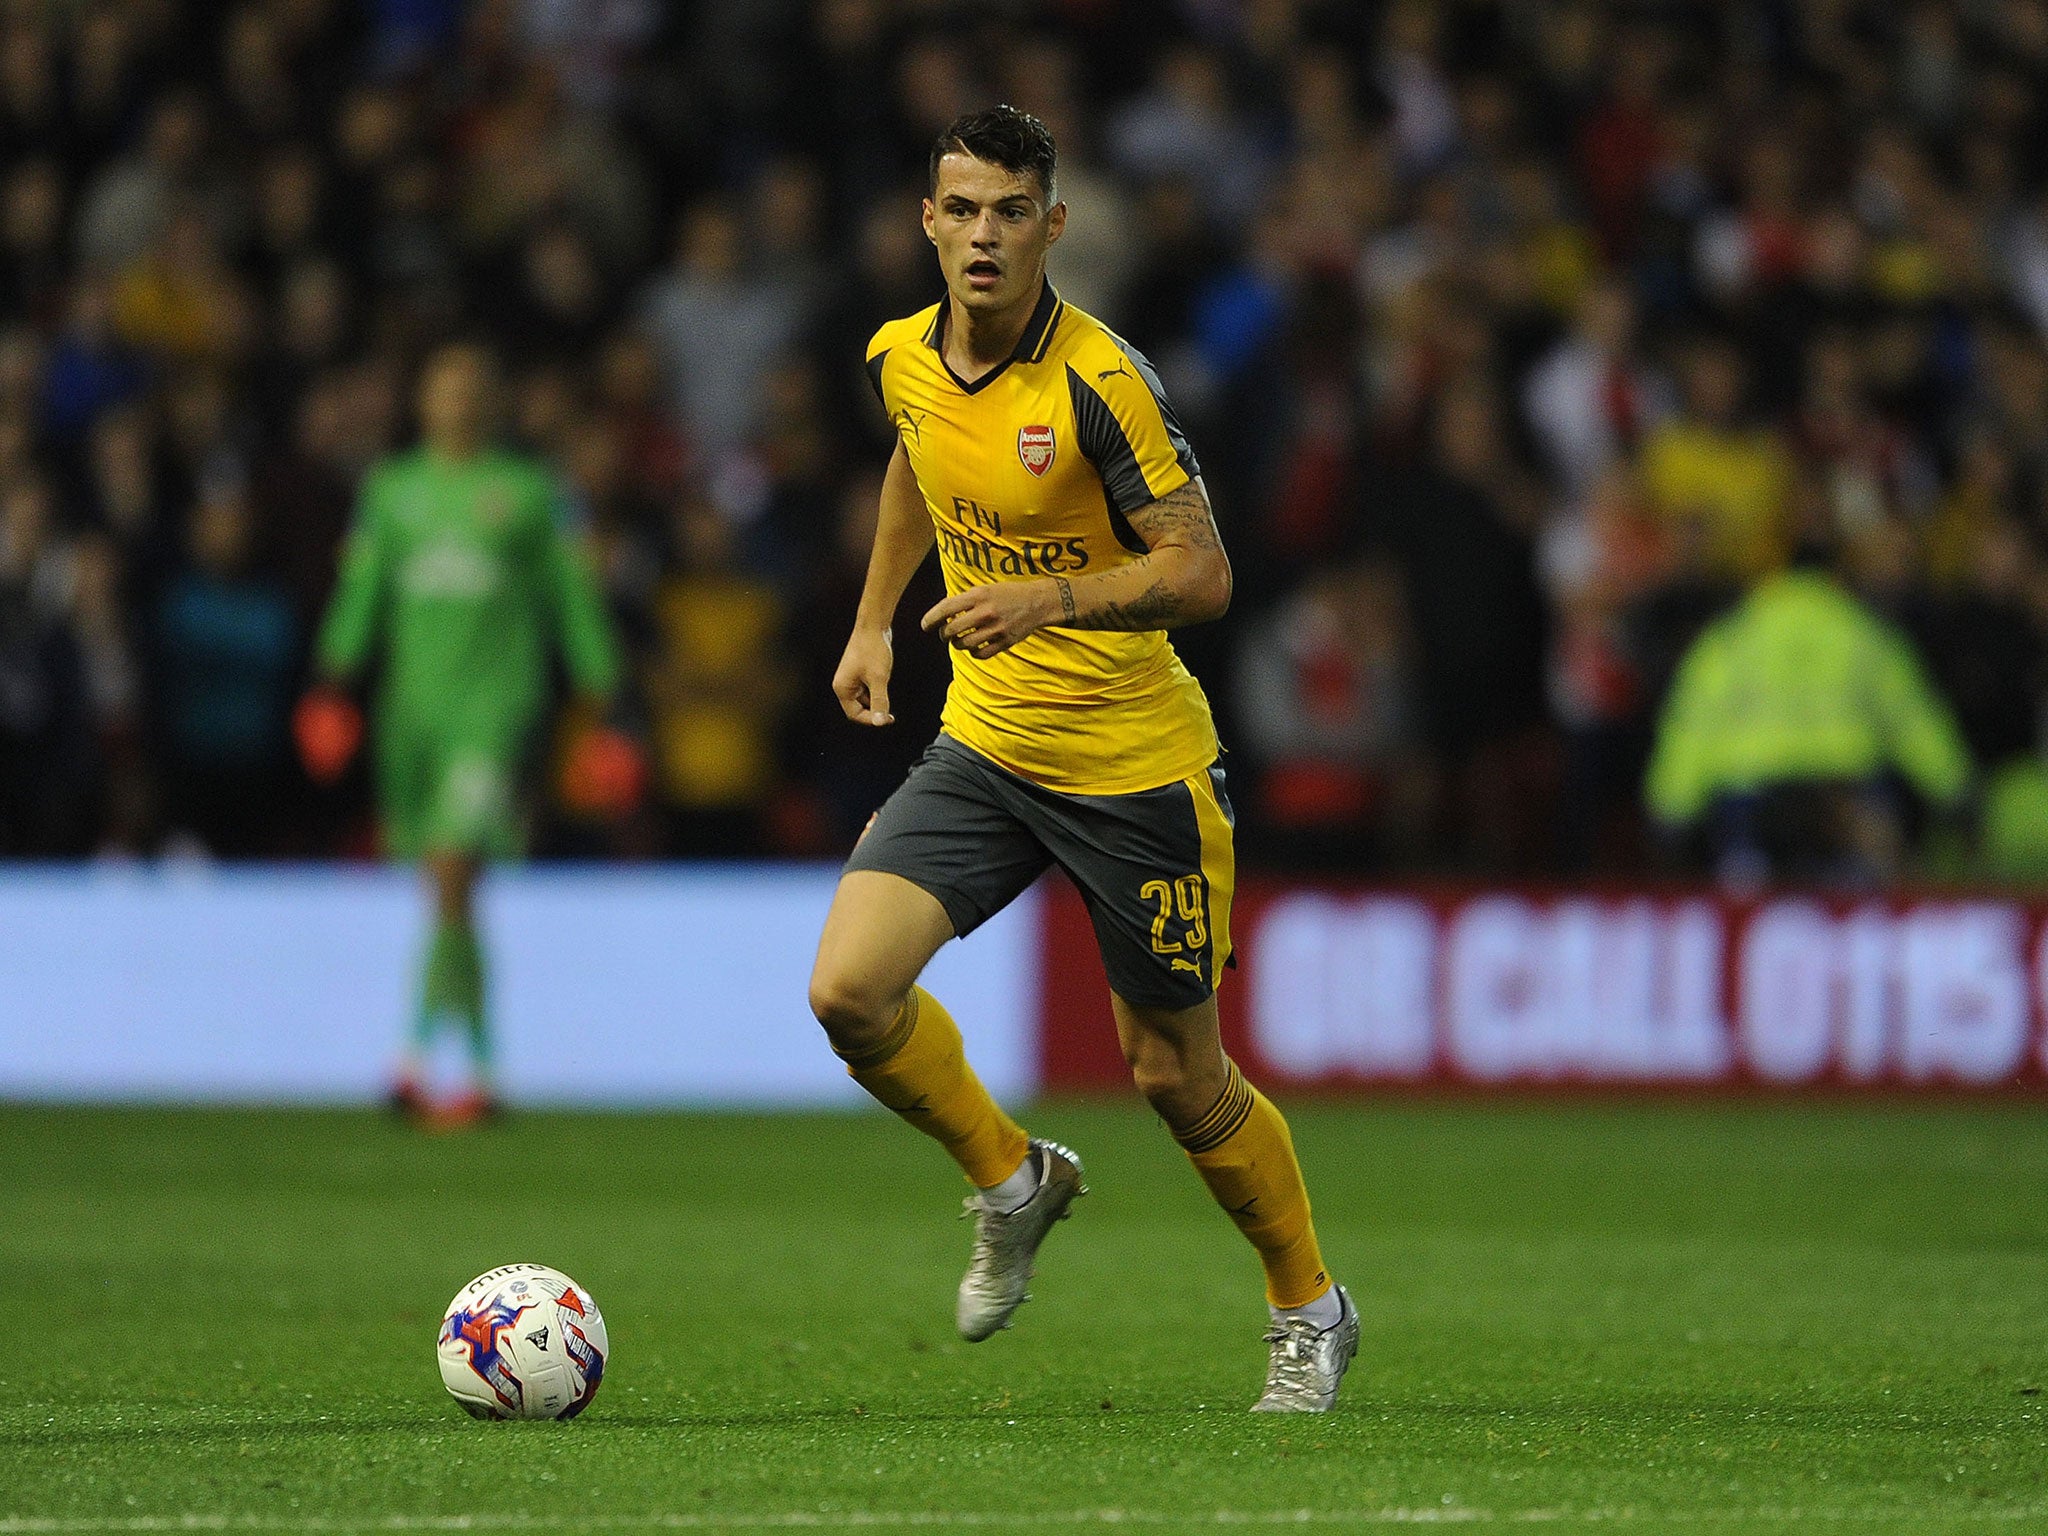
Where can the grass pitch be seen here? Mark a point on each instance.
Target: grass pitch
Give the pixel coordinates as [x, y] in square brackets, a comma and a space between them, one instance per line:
[1729, 1317]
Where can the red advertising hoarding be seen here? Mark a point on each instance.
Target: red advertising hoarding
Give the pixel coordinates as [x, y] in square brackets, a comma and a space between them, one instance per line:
[1390, 986]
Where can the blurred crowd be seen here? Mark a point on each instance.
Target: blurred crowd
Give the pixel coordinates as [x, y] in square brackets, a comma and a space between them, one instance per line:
[1517, 341]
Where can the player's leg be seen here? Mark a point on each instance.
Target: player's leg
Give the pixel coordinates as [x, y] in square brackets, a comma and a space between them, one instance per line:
[897, 1040]
[942, 856]
[469, 818]
[1241, 1147]
[451, 984]
[880, 933]
[1157, 871]
[456, 958]
[1238, 1142]
[405, 809]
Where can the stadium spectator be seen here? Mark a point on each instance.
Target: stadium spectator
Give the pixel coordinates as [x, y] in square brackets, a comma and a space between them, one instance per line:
[1788, 724]
[225, 650]
[1599, 565]
[90, 369]
[1457, 529]
[1591, 399]
[866, 768]
[1326, 704]
[718, 325]
[715, 685]
[1721, 479]
[177, 299]
[127, 204]
[1715, 279]
[1188, 124]
[46, 735]
[1984, 643]
[32, 258]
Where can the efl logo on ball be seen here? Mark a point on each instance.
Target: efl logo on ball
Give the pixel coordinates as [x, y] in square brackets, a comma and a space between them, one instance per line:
[1035, 448]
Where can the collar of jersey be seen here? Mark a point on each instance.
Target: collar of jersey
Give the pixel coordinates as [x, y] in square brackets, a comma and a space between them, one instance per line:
[1031, 346]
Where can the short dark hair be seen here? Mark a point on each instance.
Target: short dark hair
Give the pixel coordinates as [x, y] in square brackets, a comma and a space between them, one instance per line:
[1004, 136]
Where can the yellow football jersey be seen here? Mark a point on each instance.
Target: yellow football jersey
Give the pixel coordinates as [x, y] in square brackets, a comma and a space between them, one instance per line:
[1029, 472]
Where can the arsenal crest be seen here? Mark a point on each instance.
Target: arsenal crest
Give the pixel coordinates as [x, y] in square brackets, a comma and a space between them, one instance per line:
[1035, 448]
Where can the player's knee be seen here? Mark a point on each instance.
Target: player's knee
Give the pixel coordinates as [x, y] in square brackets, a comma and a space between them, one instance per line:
[451, 904]
[453, 878]
[855, 1014]
[1157, 1069]
[1179, 1082]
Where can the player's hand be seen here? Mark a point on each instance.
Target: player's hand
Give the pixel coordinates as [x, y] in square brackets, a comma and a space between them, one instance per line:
[986, 621]
[862, 681]
[328, 728]
[606, 773]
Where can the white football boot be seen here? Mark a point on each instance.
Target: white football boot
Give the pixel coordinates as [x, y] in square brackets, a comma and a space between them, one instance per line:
[1308, 1362]
[1006, 1243]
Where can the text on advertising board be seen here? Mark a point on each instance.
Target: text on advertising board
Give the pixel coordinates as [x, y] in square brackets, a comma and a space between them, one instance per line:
[1516, 988]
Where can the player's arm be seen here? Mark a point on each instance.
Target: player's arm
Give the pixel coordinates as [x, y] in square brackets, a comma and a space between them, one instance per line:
[361, 589]
[589, 647]
[606, 770]
[1182, 578]
[327, 724]
[903, 537]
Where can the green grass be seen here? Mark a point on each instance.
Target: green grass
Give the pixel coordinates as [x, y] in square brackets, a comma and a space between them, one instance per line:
[1722, 1317]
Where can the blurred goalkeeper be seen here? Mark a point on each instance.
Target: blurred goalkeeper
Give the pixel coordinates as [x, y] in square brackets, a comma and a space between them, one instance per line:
[460, 579]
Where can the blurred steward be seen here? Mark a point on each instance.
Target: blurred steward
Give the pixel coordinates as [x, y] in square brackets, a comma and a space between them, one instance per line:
[1793, 726]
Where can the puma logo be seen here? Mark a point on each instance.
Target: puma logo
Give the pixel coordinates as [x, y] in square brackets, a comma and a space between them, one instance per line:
[1185, 965]
[1110, 373]
[912, 422]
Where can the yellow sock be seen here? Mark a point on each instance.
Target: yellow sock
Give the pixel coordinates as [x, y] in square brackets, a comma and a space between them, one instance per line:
[920, 1070]
[1243, 1152]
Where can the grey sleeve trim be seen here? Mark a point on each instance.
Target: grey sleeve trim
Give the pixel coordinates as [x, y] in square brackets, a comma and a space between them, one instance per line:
[1103, 444]
[1181, 448]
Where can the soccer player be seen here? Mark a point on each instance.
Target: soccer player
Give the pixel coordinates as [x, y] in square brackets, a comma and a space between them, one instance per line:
[459, 571]
[1039, 452]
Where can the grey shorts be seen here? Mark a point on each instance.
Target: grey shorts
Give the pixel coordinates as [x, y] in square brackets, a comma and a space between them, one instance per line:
[1155, 868]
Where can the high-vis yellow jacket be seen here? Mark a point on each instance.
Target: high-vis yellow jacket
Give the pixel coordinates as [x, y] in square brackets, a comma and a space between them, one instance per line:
[1800, 682]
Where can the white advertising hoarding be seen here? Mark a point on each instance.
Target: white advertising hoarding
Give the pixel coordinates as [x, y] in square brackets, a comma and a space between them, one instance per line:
[678, 985]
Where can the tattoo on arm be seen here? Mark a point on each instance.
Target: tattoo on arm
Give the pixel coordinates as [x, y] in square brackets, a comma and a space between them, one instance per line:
[1066, 599]
[1157, 607]
[1180, 518]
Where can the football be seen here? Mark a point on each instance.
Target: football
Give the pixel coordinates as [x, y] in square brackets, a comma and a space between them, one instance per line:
[523, 1342]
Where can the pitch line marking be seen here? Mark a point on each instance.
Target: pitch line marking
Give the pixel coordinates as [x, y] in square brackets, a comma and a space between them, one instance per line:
[38, 1525]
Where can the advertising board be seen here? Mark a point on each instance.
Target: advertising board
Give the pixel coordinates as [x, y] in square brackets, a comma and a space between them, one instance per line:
[679, 985]
[1673, 989]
